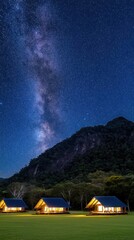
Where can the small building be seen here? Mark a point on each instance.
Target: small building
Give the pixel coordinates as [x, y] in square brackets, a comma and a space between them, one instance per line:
[52, 205]
[106, 205]
[12, 205]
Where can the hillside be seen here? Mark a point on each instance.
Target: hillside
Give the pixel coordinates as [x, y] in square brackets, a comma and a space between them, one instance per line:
[107, 148]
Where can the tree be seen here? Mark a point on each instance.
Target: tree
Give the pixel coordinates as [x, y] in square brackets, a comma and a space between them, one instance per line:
[80, 194]
[68, 189]
[64, 189]
[17, 189]
[33, 195]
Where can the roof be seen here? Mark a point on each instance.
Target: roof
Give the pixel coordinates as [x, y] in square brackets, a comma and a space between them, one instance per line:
[56, 202]
[106, 201]
[53, 202]
[15, 202]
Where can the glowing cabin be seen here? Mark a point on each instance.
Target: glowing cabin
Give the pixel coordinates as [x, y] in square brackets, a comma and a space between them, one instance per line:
[106, 205]
[12, 205]
[52, 205]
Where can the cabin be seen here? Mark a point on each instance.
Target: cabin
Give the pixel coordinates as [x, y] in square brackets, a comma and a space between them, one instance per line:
[106, 205]
[8, 205]
[52, 205]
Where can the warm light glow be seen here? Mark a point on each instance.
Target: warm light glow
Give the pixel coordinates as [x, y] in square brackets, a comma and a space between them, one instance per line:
[53, 209]
[100, 208]
[12, 209]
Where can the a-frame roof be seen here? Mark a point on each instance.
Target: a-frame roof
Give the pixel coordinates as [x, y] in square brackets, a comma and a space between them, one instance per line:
[13, 202]
[106, 201]
[52, 202]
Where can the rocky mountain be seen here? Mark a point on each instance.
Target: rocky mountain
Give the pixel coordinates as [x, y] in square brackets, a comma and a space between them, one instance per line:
[107, 148]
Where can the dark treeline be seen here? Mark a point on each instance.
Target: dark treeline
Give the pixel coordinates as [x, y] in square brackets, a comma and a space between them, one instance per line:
[77, 193]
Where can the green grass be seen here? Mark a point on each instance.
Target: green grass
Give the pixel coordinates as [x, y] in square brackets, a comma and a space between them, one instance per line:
[66, 227]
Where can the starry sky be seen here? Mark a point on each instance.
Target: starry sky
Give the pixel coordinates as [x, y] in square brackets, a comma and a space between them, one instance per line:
[63, 65]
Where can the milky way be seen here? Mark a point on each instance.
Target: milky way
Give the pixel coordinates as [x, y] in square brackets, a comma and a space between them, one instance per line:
[37, 23]
[63, 65]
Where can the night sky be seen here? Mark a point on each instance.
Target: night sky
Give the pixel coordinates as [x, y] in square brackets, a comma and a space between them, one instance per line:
[63, 65]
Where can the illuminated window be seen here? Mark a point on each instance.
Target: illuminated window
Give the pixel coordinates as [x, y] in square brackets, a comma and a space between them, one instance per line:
[100, 208]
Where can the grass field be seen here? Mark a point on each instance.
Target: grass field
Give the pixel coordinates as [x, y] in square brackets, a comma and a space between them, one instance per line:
[66, 227]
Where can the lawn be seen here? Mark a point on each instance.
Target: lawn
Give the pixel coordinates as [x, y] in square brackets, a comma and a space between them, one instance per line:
[66, 227]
